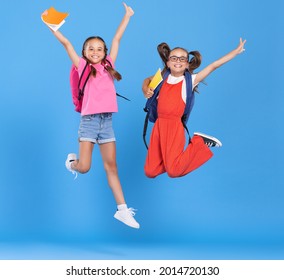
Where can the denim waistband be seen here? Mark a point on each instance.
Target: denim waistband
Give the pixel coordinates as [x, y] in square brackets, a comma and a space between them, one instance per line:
[100, 115]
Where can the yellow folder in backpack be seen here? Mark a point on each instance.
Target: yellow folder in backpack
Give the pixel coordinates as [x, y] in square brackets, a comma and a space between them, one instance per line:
[157, 79]
[53, 18]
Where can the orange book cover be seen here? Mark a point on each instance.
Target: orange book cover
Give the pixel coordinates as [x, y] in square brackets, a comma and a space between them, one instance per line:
[53, 18]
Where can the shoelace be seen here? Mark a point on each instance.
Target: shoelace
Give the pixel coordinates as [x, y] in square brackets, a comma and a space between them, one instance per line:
[76, 174]
[132, 211]
[209, 144]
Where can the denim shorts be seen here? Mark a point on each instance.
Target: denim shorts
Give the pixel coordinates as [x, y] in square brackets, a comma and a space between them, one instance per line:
[96, 128]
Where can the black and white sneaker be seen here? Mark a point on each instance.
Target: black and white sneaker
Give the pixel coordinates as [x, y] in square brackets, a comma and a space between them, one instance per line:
[210, 141]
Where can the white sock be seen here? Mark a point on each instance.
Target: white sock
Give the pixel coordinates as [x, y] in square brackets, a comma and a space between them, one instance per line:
[121, 207]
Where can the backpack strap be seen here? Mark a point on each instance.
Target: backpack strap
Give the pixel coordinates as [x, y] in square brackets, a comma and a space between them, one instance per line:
[82, 89]
[186, 129]
[145, 129]
[189, 102]
[189, 96]
[119, 95]
[108, 62]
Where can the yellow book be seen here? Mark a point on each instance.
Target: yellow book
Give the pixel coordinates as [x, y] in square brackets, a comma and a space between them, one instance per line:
[53, 18]
[157, 79]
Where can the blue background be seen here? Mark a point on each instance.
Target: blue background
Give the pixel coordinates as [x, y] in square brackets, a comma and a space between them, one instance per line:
[230, 208]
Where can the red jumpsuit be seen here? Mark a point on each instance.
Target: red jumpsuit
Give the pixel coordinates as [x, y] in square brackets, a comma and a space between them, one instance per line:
[166, 151]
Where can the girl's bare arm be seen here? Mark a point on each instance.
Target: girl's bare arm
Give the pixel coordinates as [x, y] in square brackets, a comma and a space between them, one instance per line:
[216, 64]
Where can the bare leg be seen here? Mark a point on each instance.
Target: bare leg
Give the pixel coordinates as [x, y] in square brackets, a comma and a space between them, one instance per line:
[108, 152]
[83, 164]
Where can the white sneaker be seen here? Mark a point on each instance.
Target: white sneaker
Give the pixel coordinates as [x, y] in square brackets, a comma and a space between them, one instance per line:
[68, 162]
[126, 216]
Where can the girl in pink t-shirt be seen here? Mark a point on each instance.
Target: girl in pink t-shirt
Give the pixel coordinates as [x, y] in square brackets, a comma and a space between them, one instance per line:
[99, 103]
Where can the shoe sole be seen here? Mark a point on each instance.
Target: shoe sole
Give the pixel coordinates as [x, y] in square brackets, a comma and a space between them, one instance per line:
[123, 221]
[209, 137]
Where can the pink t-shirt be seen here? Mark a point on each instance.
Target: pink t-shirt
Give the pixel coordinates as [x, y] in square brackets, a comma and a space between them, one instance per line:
[100, 93]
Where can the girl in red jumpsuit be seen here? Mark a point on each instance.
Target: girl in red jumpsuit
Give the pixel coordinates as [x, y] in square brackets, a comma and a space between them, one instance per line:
[166, 151]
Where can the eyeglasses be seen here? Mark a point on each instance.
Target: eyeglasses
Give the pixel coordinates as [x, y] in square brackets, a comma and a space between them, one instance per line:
[176, 58]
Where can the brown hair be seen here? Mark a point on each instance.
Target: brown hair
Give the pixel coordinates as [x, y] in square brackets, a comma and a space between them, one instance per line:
[116, 75]
[194, 58]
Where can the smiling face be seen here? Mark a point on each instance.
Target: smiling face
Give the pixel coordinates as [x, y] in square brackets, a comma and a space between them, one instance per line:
[178, 62]
[95, 50]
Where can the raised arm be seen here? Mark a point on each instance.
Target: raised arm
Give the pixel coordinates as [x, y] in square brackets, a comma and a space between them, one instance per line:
[200, 76]
[66, 44]
[68, 47]
[119, 32]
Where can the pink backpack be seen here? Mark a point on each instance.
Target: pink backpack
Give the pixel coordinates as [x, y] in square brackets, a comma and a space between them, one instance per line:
[78, 85]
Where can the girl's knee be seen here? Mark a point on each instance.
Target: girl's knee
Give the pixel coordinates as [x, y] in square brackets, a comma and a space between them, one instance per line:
[110, 167]
[82, 167]
[150, 175]
[149, 172]
[173, 172]
[84, 170]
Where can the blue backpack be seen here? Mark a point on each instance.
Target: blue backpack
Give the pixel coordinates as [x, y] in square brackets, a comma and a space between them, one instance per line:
[78, 84]
[151, 104]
